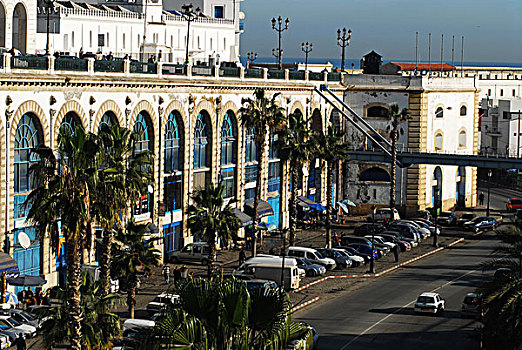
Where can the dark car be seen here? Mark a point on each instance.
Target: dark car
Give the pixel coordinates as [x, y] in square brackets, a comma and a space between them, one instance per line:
[518, 217]
[465, 218]
[447, 218]
[404, 245]
[481, 223]
[472, 305]
[503, 275]
[341, 260]
[311, 270]
[354, 251]
[345, 240]
[368, 229]
[407, 231]
[423, 214]
[363, 248]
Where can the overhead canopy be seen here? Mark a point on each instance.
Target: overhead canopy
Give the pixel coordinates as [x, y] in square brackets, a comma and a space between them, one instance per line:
[244, 218]
[27, 281]
[8, 265]
[343, 207]
[307, 203]
[263, 209]
[348, 202]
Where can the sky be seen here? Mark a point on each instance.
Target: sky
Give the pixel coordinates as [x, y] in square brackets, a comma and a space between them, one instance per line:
[492, 29]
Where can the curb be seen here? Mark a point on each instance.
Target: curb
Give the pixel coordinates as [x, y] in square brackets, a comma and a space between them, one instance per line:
[305, 304]
[373, 275]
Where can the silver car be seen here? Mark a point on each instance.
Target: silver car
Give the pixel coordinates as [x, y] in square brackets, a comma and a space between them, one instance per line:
[191, 253]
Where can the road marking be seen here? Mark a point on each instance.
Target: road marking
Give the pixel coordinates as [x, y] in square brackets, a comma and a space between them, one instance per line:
[345, 346]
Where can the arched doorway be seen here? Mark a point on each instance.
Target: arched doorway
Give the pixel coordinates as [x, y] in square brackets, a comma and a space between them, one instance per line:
[227, 175]
[144, 137]
[436, 188]
[2, 24]
[19, 38]
[460, 195]
[202, 150]
[314, 176]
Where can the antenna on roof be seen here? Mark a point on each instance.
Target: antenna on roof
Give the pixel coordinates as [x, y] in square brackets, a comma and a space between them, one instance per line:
[416, 51]
[452, 54]
[429, 54]
[441, 52]
[462, 57]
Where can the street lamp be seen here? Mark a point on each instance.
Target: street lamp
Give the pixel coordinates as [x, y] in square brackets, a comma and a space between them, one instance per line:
[279, 29]
[283, 253]
[306, 48]
[276, 54]
[343, 41]
[372, 258]
[190, 16]
[436, 205]
[48, 3]
[490, 172]
[252, 56]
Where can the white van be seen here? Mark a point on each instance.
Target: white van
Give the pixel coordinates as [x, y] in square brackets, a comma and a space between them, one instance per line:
[276, 261]
[94, 273]
[271, 272]
[311, 255]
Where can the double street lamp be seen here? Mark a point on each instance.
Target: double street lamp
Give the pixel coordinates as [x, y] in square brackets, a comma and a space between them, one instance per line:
[252, 56]
[189, 15]
[48, 11]
[343, 41]
[277, 25]
[490, 172]
[306, 48]
[372, 257]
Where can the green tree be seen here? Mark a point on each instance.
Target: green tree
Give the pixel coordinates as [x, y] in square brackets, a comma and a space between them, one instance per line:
[209, 216]
[133, 255]
[261, 114]
[123, 177]
[63, 196]
[397, 116]
[99, 324]
[297, 146]
[332, 149]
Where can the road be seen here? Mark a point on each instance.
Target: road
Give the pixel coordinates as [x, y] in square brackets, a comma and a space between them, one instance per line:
[380, 315]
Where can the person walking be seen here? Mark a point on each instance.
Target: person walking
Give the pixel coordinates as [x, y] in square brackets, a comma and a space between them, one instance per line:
[242, 256]
[20, 342]
[177, 274]
[166, 273]
[396, 252]
[337, 241]
[481, 198]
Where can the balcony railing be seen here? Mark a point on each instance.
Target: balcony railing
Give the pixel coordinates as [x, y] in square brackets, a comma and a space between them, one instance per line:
[29, 62]
[276, 74]
[316, 76]
[143, 67]
[296, 75]
[174, 69]
[109, 66]
[229, 72]
[250, 173]
[203, 70]
[334, 76]
[72, 64]
[253, 73]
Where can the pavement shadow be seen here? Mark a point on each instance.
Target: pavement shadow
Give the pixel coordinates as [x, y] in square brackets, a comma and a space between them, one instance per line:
[409, 312]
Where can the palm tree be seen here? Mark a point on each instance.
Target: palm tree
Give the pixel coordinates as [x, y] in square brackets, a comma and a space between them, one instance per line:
[99, 324]
[396, 118]
[63, 196]
[332, 149]
[261, 114]
[296, 145]
[209, 216]
[123, 176]
[131, 255]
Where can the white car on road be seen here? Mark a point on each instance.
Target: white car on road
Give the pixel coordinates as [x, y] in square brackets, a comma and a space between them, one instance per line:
[428, 302]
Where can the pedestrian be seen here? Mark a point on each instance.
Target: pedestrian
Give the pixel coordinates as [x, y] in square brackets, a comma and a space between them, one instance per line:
[184, 272]
[481, 198]
[242, 256]
[166, 273]
[20, 342]
[110, 57]
[177, 274]
[396, 252]
[126, 57]
[336, 240]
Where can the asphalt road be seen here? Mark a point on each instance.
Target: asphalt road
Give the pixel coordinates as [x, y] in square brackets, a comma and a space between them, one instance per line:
[380, 315]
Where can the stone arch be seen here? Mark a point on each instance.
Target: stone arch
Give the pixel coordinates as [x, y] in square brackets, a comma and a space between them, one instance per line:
[211, 110]
[376, 110]
[438, 140]
[297, 105]
[69, 106]
[19, 28]
[317, 121]
[175, 105]
[229, 106]
[29, 107]
[3, 24]
[147, 107]
[462, 133]
[374, 173]
[108, 106]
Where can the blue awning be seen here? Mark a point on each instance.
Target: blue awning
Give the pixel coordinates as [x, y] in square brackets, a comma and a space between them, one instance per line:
[307, 203]
[263, 209]
[343, 207]
[244, 218]
[8, 265]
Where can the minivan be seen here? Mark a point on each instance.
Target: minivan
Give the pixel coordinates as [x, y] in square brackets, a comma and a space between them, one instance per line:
[191, 253]
[271, 272]
[311, 255]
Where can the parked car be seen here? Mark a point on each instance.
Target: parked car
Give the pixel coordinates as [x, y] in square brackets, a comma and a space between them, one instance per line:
[352, 250]
[472, 305]
[21, 316]
[404, 245]
[5, 342]
[513, 204]
[191, 253]
[356, 259]
[424, 232]
[447, 218]
[429, 302]
[503, 274]
[340, 260]
[10, 326]
[379, 239]
[345, 240]
[423, 214]
[465, 218]
[311, 270]
[430, 228]
[481, 223]
[162, 302]
[259, 283]
[368, 229]
[383, 214]
[406, 230]
[365, 249]
[311, 255]
[410, 240]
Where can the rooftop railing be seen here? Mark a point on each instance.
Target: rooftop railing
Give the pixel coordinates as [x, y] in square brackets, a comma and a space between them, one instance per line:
[174, 69]
[108, 66]
[71, 64]
[143, 67]
[276, 74]
[254, 73]
[229, 72]
[29, 62]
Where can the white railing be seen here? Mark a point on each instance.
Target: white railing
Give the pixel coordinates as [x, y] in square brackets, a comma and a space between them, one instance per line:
[100, 13]
[176, 18]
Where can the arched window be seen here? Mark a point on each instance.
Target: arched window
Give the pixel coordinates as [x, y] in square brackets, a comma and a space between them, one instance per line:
[377, 112]
[463, 110]
[228, 140]
[2, 25]
[375, 174]
[438, 141]
[201, 142]
[69, 123]
[28, 136]
[173, 161]
[250, 146]
[462, 139]
[317, 122]
[19, 28]
[439, 112]
[108, 118]
[143, 132]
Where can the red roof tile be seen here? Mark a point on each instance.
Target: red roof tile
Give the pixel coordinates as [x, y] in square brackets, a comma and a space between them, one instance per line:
[408, 66]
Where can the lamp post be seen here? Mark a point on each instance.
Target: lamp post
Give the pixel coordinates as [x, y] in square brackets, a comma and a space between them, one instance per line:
[48, 3]
[490, 172]
[436, 205]
[277, 53]
[283, 253]
[306, 48]
[190, 16]
[343, 41]
[372, 258]
[252, 56]
[279, 28]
